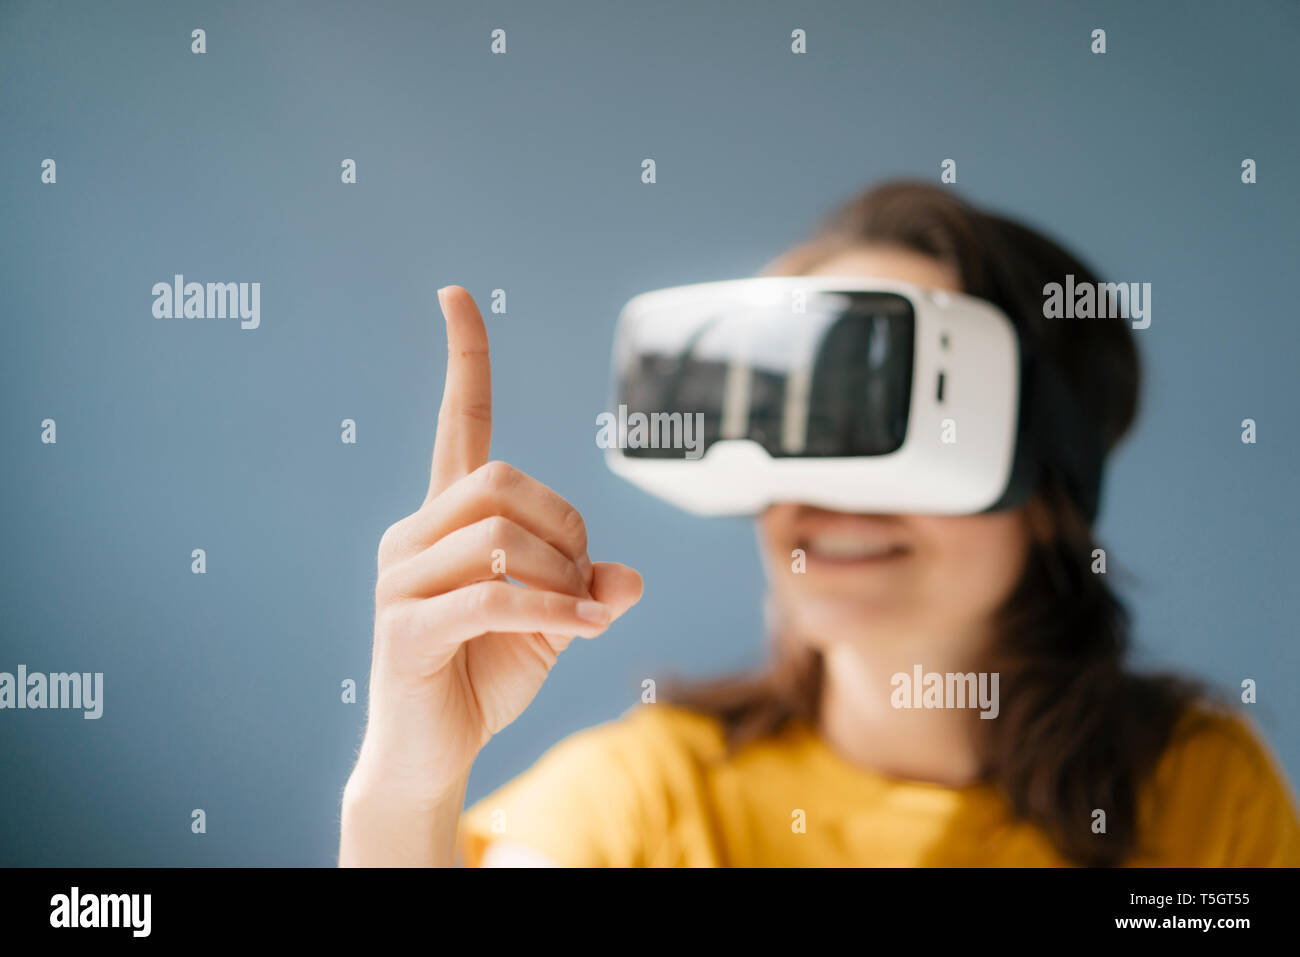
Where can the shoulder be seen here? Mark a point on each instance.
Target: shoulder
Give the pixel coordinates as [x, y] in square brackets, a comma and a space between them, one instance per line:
[1219, 796]
[1212, 736]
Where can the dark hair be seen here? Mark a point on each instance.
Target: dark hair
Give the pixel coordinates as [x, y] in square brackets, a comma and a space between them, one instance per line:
[1077, 731]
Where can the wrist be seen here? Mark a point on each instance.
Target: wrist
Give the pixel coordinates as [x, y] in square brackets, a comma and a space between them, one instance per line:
[388, 826]
[375, 783]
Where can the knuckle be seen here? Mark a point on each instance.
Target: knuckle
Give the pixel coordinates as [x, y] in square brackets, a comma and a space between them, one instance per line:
[470, 409]
[498, 530]
[392, 585]
[553, 606]
[470, 352]
[499, 476]
[390, 543]
[573, 526]
[478, 599]
[390, 621]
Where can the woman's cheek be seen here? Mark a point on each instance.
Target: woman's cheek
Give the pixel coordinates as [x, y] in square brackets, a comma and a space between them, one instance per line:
[977, 560]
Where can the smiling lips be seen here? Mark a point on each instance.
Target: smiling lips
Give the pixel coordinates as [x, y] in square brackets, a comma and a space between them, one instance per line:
[849, 540]
[845, 547]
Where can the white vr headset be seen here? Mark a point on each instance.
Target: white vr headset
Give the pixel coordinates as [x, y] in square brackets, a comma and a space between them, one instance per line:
[854, 394]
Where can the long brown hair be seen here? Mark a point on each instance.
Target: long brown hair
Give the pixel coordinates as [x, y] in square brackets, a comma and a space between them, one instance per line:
[1078, 731]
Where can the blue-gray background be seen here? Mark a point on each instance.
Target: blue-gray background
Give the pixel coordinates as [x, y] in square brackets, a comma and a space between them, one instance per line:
[222, 691]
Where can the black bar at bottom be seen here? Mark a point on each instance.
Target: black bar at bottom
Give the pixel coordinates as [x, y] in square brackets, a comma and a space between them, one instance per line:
[298, 906]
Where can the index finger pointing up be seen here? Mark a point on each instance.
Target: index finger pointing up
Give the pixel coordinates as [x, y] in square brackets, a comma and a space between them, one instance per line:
[464, 433]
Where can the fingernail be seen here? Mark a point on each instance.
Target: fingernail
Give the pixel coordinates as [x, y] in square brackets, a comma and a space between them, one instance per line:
[593, 611]
[584, 569]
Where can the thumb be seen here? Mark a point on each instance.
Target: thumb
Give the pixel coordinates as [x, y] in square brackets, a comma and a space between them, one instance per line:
[616, 585]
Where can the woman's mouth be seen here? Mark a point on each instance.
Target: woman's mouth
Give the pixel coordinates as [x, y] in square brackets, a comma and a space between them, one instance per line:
[848, 548]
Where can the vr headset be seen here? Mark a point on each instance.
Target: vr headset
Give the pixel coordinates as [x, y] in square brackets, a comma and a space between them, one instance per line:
[852, 394]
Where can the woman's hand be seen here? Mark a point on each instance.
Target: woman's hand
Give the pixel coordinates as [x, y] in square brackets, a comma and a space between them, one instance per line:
[458, 651]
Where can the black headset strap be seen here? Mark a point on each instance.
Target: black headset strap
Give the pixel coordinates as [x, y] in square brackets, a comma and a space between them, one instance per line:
[1055, 433]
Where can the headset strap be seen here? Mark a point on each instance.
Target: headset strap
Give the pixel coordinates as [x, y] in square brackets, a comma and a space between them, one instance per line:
[1056, 433]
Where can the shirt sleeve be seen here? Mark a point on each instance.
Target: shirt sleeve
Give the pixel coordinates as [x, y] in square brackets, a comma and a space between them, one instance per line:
[579, 805]
[1223, 787]
[1267, 827]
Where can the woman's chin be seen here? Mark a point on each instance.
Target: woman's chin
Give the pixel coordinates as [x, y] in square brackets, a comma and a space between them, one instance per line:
[826, 622]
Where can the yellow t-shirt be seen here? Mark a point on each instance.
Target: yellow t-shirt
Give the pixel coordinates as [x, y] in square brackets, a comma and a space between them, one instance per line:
[656, 788]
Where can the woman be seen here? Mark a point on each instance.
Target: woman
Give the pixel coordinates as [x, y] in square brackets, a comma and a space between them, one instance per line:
[807, 763]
